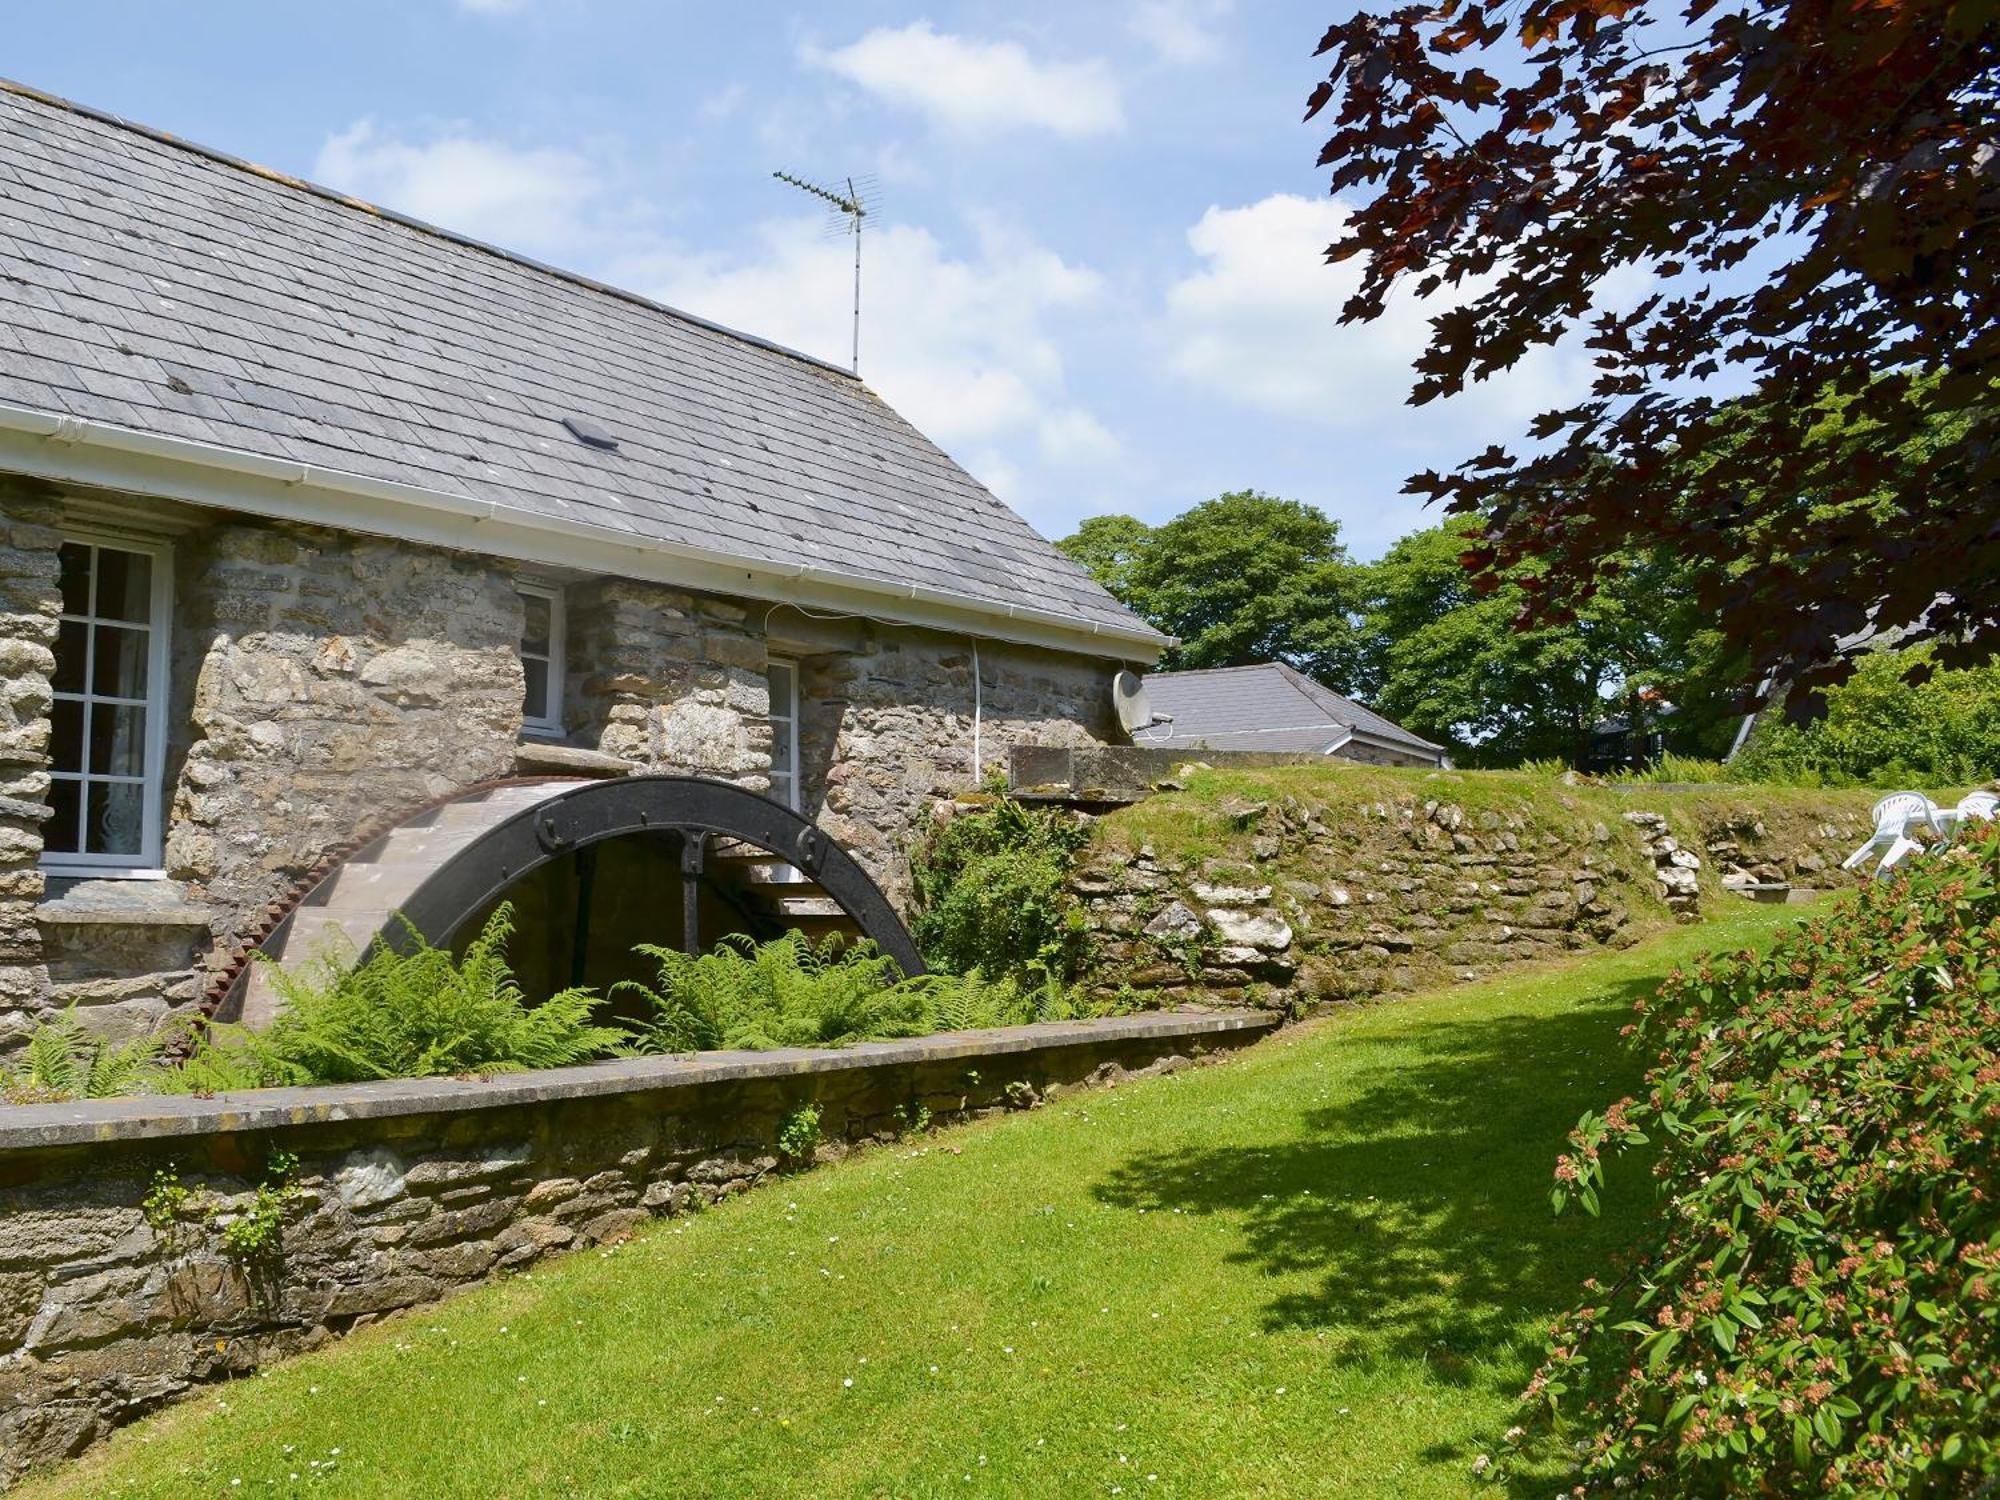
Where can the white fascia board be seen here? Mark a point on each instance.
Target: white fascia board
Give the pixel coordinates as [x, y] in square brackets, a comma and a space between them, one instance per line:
[75, 450]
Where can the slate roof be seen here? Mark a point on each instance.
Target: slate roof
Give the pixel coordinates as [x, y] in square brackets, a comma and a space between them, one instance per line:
[1265, 707]
[154, 285]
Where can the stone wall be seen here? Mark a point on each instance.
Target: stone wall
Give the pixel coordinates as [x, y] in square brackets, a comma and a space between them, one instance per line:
[325, 685]
[888, 728]
[29, 605]
[670, 682]
[1326, 888]
[115, 1297]
[328, 678]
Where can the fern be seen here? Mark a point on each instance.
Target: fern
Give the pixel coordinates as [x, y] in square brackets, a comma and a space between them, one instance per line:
[789, 993]
[64, 1059]
[415, 1014]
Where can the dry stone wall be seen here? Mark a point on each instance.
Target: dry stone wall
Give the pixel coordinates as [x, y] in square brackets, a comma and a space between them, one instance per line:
[1302, 897]
[117, 1292]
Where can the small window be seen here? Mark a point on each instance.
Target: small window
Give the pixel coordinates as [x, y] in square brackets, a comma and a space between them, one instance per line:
[784, 683]
[107, 744]
[541, 658]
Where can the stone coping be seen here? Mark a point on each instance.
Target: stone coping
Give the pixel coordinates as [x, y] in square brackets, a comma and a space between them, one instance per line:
[32, 1127]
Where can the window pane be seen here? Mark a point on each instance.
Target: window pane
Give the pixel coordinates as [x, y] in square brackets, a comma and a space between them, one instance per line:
[66, 743]
[781, 679]
[124, 585]
[116, 821]
[72, 646]
[119, 667]
[782, 790]
[781, 745]
[535, 633]
[535, 701]
[117, 739]
[59, 832]
[75, 578]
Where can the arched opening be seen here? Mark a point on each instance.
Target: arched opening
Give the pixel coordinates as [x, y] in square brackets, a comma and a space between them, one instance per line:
[592, 868]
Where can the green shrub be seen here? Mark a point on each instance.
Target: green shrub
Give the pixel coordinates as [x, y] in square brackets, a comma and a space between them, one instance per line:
[798, 1133]
[1880, 730]
[417, 1014]
[1817, 1306]
[789, 993]
[63, 1059]
[990, 891]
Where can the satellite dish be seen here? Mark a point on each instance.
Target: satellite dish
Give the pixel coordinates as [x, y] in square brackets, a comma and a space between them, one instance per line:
[1128, 697]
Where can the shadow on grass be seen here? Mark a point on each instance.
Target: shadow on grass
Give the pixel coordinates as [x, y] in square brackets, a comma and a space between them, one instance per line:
[1412, 1219]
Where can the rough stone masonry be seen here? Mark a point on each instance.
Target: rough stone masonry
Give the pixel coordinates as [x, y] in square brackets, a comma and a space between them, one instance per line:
[1304, 900]
[323, 685]
[118, 1290]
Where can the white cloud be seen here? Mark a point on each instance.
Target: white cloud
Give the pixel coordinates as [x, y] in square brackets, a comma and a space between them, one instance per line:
[1258, 323]
[967, 84]
[533, 199]
[965, 347]
[1179, 31]
[491, 7]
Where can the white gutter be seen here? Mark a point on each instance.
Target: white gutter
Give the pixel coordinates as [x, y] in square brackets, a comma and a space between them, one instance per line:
[77, 450]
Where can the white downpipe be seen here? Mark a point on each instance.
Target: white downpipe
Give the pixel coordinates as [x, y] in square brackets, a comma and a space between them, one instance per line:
[978, 709]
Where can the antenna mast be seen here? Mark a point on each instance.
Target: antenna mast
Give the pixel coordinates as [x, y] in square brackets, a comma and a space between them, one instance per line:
[849, 209]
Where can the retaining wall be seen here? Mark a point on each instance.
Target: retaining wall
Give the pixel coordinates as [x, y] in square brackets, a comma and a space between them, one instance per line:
[118, 1294]
[1298, 887]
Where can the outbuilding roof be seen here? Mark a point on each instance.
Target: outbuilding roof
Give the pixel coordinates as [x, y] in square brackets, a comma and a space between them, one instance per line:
[151, 287]
[1269, 706]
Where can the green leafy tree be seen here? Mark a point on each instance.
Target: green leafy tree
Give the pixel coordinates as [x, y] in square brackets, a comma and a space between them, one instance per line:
[1451, 663]
[1879, 728]
[1243, 578]
[1106, 547]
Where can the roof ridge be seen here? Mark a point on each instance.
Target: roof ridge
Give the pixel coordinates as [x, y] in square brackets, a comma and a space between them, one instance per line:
[408, 221]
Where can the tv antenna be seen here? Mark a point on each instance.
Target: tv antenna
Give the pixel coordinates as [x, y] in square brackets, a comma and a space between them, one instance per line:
[847, 210]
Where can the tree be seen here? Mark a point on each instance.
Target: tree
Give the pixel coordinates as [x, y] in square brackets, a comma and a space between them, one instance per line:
[1239, 579]
[1811, 186]
[1452, 667]
[1106, 547]
[1880, 730]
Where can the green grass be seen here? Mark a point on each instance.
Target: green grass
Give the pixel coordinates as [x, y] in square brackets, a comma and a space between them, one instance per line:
[1322, 1268]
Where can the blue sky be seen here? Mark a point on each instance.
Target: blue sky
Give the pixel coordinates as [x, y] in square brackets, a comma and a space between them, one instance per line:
[1095, 276]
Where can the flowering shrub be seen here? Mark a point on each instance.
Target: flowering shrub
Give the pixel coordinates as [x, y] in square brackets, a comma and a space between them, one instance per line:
[1816, 1306]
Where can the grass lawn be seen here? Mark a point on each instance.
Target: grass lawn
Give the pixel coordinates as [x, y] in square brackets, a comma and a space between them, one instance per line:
[1320, 1269]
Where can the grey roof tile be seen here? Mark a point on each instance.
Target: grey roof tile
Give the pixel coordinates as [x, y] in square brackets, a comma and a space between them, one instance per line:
[310, 329]
[1267, 706]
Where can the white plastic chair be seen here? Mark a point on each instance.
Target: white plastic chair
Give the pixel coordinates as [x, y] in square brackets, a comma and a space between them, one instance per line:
[1895, 816]
[1982, 807]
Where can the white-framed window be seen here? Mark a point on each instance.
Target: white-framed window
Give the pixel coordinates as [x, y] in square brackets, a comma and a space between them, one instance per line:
[541, 658]
[783, 677]
[107, 747]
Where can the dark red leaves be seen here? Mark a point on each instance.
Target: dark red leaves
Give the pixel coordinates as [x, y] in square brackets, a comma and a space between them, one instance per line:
[1846, 156]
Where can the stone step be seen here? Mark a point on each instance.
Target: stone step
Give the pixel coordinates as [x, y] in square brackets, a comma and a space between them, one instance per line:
[803, 908]
[767, 872]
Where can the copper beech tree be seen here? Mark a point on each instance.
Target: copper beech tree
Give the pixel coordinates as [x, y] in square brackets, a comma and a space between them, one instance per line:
[1803, 405]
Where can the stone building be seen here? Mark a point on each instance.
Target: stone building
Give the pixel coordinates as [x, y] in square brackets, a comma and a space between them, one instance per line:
[315, 516]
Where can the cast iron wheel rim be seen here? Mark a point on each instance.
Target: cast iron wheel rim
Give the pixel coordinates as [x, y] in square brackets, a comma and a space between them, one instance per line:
[695, 808]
